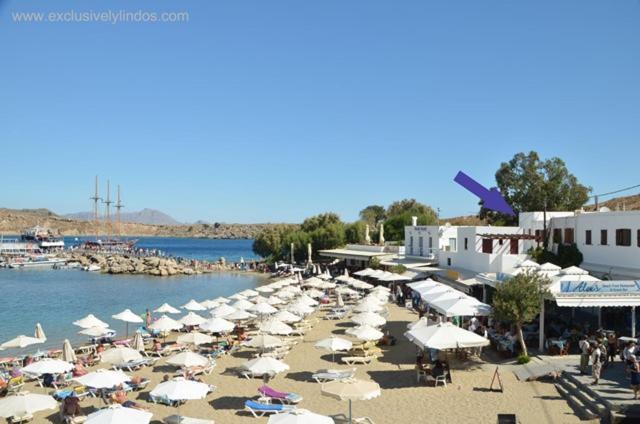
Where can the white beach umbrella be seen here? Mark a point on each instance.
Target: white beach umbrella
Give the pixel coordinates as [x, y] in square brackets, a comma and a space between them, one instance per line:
[191, 319]
[312, 282]
[167, 309]
[368, 307]
[351, 389]
[128, 316]
[138, 342]
[25, 403]
[192, 305]
[39, 332]
[287, 317]
[118, 414]
[48, 366]
[239, 315]
[120, 355]
[274, 326]
[265, 365]
[20, 342]
[300, 309]
[274, 300]
[364, 273]
[365, 333]
[264, 341]
[180, 389]
[314, 293]
[188, 359]
[345, 290]
[333, 344]
[237, 296]
[217, 325]
[445, 336]
[103, 379]
[285, 295]
[90, 321]
[249, 293]
[222, 310]
[343, 278]
[307, 300]
[260, 299]
[194, 338]
[220, 300]
[360, 285]
[262, 309]
[164, 324]
[422, 322]
[209, 304]
[299, 416]
[68, 354]
[265, 289]
[369, 318]
[242, 304]
[461, 306]
[96, 331]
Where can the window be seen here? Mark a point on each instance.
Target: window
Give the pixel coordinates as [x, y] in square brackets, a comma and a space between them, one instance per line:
[466, 243]
[448, 261]
[513, 247]
[623, 237]
[487, 246]
[587, 237]
[453, 244]
[421, 245]
[568, 236]
[638, 238]
[603, 237]
[430, 243]
[500, 242]
[557, 235]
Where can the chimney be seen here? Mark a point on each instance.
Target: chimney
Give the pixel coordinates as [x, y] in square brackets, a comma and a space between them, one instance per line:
[414, 221]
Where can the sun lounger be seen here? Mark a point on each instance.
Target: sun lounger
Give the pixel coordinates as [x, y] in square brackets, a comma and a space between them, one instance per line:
[20, 419]
[324, 376]
[258, 409]
[163, 400]
[178, 419]
[352, 360]
[282, 397]
[133, 365]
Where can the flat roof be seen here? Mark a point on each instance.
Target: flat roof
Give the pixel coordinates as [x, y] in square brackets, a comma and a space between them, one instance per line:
[349, 253]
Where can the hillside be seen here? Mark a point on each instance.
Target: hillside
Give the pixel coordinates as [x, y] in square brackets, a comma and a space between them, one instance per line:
[145, 216]
[14, 221]
[629, 203]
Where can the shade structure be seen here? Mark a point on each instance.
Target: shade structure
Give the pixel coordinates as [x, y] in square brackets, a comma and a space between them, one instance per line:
[445, 336]
[287, 317]
[48, 366]
[265, 365]
[90, 321]
[264, 341]
[273, 326]
[191, 319]
[118, 414]
[300, 309]
[239, 315]
[192, 305]
[39, 332]
[365, 333]
[259, 299]
[422, 322]
[274, 300]
[138, 342]
[369, 318]
[68, 354]
[222, 310]
[209, 304]
[221, 299]
[314, 293]
[249, 293]
[299, 416]
[364, 273]
[167, 309]
[217, 325]
[242, 304]
[120, 355]
[20, 342]
[368, 307]
[461, 306]
[307, 300]
[180, 389]
[103, 379]
[262, 309]
[164, 323]
[25, 403]
[333, 344]
[439, 293]
[194, 338]
[96, 331]
[188, 359]
[128, 317]
[237, 296]
[360, 285]
[346, 290]
[312, 282]
[394, 277]
[351, 389]
[265, 289]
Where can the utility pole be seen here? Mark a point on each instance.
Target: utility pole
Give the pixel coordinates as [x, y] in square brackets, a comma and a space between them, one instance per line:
[544, 223]
[119, 206]
[107, 204]
[96, 214]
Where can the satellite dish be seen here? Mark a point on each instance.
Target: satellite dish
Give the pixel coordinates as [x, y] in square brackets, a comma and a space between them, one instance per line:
[604, 209]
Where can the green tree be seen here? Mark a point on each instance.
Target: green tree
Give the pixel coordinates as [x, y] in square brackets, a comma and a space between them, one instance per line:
[527, 183]
[394, 225]
[411, 206]
[329, 236]
[320, 221]
[268, 243]
[518, 299]
[398, 269]
[373, 214]
[300, 240]
[355, 232]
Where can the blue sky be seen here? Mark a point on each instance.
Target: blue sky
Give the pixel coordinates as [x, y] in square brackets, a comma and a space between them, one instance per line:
[258, 111]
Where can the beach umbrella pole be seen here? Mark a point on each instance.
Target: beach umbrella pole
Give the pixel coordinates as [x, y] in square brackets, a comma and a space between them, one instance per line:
[350, 415]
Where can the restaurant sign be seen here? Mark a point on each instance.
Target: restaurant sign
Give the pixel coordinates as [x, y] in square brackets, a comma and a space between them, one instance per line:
[600, 287]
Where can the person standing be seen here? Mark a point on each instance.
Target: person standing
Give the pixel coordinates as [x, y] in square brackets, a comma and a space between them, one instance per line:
[583, 344]
[634, 369]
[147, 318]
[596, 365]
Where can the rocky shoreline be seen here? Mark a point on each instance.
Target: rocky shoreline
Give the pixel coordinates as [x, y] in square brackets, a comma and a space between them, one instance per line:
[117, 263]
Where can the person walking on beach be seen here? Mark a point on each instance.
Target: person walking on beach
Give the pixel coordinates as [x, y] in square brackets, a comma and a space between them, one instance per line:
[147, 318]
[596, 364]
[583, 344]
[634, 369]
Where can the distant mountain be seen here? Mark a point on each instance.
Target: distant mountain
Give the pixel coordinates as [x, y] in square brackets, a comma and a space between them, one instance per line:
[145, 216]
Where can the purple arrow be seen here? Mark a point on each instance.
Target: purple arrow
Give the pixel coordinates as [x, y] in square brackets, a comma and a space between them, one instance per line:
[491, 199]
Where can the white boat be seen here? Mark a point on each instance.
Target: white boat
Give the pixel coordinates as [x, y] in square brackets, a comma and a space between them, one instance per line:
[45, 238]
[92, 268]
[36, 262]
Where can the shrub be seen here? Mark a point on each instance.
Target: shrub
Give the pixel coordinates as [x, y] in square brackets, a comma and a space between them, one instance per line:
[523, 359]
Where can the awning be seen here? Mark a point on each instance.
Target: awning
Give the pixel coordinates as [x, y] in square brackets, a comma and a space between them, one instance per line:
[593, 301]
[588, 293]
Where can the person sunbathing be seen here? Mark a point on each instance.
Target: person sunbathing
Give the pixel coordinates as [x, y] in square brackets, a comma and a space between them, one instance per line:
[79, 370]
[120, 397]
[71, 406]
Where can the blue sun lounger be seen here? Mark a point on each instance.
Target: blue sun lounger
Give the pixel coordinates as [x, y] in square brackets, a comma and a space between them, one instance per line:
[258, 409]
